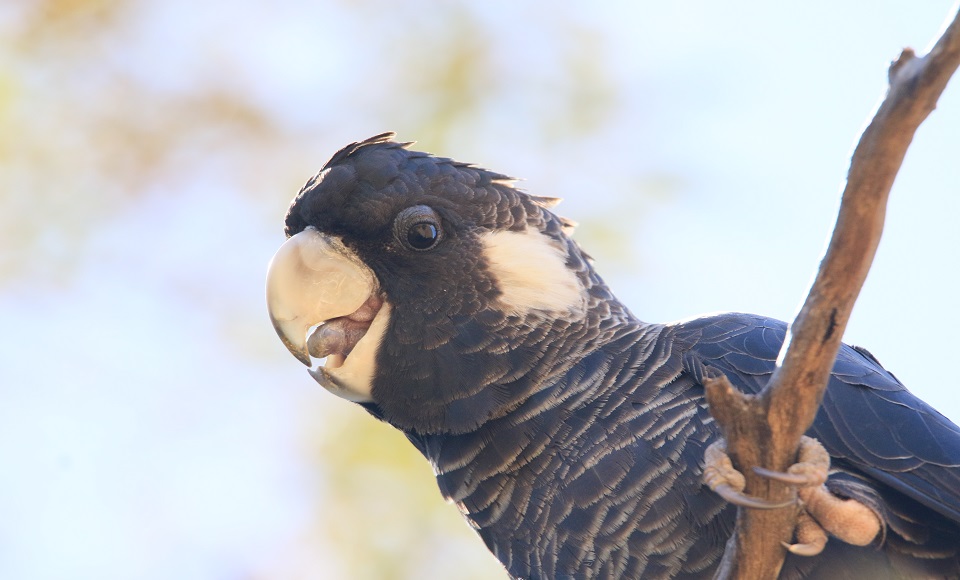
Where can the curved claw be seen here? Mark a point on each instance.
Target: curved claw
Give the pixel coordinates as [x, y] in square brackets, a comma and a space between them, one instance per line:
[743, 500]
[810, 549]
[810, 535]
[795, 479]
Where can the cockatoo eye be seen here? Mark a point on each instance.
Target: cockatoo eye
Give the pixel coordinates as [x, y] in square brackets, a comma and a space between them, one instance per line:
[418, 228]
[423, 236]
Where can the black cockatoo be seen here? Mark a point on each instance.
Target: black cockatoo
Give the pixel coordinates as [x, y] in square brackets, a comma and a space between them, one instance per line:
[571, 435]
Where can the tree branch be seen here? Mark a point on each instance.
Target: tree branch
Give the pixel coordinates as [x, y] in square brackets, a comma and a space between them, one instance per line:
[765, 430]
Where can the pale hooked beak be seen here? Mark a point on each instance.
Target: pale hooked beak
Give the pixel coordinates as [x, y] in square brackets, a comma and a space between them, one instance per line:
[311, 279]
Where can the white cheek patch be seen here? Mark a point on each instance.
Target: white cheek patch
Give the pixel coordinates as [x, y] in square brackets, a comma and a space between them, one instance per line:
[530, 270]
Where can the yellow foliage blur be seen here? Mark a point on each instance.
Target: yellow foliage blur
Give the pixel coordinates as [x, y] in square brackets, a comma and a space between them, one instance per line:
[106, 104]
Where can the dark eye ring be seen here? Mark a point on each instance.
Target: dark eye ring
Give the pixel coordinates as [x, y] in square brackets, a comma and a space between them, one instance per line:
[418, 228]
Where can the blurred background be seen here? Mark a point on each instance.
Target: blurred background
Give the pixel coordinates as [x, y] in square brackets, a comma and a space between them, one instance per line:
[151, 424]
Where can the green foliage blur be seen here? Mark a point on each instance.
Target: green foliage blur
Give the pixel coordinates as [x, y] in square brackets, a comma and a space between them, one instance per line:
[95, 118]
[151, 424]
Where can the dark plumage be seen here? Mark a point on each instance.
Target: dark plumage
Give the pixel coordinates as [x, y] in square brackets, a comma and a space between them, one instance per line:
[571, 434]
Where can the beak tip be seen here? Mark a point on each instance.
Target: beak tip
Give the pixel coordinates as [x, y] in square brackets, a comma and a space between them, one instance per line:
[297, 348]
[304, 358]
[299, 351]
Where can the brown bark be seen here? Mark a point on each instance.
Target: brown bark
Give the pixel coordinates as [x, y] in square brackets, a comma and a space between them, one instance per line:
[765, 430]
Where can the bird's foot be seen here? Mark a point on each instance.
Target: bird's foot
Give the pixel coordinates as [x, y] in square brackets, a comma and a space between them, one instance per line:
[823, 513]
[720, 476]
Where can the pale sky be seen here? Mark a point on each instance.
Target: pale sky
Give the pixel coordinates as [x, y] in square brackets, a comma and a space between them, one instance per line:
[138, 442]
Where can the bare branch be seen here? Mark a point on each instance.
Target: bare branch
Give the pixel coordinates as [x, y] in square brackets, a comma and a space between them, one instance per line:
[765, 430]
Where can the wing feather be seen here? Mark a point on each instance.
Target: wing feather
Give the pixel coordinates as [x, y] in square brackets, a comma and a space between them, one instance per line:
[868, 419]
